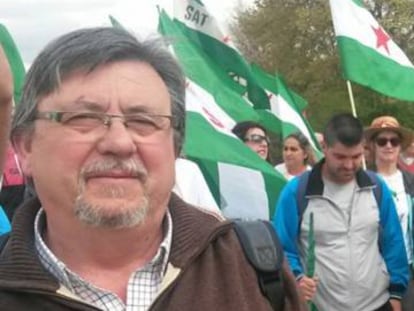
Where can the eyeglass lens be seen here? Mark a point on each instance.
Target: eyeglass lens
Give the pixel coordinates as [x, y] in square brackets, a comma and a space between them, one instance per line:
[382, 141]
[257, 139]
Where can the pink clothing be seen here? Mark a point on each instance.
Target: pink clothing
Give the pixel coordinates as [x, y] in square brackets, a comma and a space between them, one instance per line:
[406, 165]
[12, 174]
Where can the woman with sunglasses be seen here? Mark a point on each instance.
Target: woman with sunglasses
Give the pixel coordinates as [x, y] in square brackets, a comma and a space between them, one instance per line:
[255, 136]
[385, 139]
[297, 154]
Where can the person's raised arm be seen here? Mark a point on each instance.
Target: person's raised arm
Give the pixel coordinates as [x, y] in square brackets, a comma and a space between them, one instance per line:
[6, 105]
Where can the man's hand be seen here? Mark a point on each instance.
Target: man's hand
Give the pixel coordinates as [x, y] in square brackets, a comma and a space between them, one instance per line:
[307, 287]
[396, 304]
[6, 81]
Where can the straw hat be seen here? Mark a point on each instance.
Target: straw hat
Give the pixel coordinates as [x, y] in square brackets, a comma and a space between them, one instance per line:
[390, 124]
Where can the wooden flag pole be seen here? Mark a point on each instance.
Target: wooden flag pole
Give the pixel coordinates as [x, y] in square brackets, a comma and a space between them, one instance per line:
[351, 99]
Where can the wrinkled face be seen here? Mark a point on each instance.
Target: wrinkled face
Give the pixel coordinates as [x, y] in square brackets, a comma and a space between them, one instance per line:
[293, 155]
[387, 146]
[257, 140]
[342, 162]
[111, 175]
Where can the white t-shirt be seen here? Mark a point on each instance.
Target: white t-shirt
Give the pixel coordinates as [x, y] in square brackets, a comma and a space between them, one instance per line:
[191, 186]
[396, 184]
[282, 169]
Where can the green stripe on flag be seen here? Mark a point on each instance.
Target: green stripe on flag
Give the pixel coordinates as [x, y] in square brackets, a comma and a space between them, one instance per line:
[359, 3]
[208, 147]
[369, 68]
[368, 54]
[15, 61]
[203, 71]
[115, 23]
[283, 115]
[201, 28]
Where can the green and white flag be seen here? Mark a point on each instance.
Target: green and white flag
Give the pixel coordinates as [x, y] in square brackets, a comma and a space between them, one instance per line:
[368, 54]
[115, 23]
[198, 25]
[244, 184]
[283, 110]
[15, 61]
[277, 115]
[200, 68]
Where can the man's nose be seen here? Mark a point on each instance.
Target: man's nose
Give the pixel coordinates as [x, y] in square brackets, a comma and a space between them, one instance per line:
[348, 164]
[117, 140]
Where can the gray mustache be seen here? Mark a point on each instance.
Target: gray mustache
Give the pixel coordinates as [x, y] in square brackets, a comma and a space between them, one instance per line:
[130, 167]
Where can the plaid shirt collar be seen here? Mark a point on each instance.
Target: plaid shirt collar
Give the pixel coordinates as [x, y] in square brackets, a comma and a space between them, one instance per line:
[143, 284]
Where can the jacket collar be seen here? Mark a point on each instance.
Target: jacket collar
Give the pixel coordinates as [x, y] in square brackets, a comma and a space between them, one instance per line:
[192, 230]
[315, 184]
[19, 265]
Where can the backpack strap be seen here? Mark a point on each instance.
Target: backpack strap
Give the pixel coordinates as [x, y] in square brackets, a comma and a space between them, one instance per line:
[377, 190]
[301, 199]
[264, 252]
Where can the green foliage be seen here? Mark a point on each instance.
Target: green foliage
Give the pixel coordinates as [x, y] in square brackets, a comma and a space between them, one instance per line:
[296, 39]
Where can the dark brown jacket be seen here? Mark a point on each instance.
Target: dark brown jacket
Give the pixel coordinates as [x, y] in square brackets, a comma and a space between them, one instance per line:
[207, 269]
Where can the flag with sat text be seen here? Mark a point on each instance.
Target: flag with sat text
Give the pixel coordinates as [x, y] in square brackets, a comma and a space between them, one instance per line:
[281, 114]
[195, 21]
[368, 54]
[243, 184]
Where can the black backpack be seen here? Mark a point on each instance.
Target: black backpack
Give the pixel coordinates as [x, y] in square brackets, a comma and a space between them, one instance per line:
[265, 253]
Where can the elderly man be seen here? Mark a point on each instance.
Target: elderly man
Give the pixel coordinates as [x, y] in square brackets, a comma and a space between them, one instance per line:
[97, 132]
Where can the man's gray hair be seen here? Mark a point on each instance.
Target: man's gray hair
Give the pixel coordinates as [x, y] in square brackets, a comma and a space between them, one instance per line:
[87, 49]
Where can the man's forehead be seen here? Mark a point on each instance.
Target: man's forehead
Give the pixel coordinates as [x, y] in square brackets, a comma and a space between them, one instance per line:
[387, 134]
[339, 148]
[136, 81]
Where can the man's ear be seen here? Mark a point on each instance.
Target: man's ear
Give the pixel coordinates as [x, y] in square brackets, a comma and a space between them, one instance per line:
[324, 146]
[22, 145]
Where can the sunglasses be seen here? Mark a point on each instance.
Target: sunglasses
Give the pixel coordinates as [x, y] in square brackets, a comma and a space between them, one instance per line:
[382, 141]
[257, 139]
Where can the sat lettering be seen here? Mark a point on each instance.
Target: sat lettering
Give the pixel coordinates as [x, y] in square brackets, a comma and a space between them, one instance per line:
[194, 15]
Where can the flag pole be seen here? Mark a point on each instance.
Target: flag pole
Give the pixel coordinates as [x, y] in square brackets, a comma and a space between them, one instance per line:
[351, 99]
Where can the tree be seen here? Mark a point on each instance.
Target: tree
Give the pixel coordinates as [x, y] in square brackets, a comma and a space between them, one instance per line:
[296, 39]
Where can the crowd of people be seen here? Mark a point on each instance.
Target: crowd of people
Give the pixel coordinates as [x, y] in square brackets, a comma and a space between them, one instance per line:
[112, 218]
